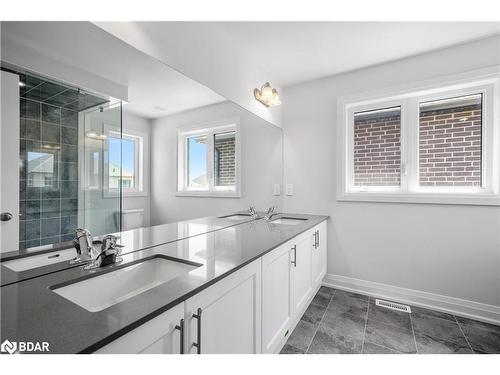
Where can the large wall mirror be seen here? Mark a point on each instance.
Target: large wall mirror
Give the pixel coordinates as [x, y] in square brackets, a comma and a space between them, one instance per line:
[80, 156]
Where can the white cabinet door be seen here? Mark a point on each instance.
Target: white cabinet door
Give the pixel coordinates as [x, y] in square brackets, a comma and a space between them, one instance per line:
[226, 317]
[157, 336]
[301, 270]
[319, 254]
[277, 305]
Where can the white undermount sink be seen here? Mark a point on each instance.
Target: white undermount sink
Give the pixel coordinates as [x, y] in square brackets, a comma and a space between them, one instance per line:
[100, 292]
[288, 220]
[35, 261]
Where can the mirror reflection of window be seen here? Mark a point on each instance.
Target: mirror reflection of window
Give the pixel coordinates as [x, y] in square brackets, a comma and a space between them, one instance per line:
[114, 150]
[208, 160]
[225, 158]
[124, 162]
[41, 169]
[197, 162]
[128, 163]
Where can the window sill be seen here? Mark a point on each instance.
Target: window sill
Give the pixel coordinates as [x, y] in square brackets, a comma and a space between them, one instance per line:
[124, 194]
[132, 194]
[483, 199]
[208, 194]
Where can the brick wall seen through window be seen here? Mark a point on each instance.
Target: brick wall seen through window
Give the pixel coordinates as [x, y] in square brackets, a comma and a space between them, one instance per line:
[377, 147]
[224, 159]
[450, 142]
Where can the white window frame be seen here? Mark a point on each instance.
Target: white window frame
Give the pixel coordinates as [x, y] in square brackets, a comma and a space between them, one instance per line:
[484, 82]
[209, 130]
[139, 165]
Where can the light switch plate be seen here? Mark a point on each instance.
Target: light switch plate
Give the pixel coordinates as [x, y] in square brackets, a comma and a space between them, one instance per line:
[277, 189]
[289, 189]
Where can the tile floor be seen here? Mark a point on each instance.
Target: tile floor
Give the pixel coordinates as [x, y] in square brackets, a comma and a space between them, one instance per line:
[344, 322]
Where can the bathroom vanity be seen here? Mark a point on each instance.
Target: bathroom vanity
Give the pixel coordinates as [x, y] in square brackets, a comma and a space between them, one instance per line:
[240, 289]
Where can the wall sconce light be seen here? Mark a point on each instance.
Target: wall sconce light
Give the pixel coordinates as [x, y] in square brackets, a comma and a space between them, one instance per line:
[267, 95]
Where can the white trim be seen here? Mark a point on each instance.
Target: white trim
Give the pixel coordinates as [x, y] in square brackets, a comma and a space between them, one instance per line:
[429, 198]
[457, 306]
[208, 129]
[141, 142]
[207, 194]
[485, 81]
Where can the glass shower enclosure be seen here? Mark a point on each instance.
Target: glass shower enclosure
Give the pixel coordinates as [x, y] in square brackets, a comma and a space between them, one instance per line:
[69, 161]
[101, 168]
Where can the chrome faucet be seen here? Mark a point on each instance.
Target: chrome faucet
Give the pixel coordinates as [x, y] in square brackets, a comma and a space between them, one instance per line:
[83, 245]
[253, 212]
[270, 213]
[107, 255]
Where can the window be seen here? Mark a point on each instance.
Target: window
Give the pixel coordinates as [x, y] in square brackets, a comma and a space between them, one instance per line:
[450, 139]
[41, 169]
[197, 162]
[439, 144]
[208, 162]
[225, 159]
[125, 163]
[377, 148]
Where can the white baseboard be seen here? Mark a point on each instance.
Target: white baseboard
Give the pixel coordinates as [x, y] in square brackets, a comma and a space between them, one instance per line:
[452, 305]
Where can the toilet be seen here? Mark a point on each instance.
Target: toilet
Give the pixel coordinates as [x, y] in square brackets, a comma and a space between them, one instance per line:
[131, 218]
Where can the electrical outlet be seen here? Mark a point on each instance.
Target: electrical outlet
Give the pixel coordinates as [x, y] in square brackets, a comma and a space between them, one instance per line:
[289, 189]
[277, 189]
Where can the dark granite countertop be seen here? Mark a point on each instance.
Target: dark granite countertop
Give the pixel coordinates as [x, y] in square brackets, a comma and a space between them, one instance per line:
[132, 240]
[31, 311]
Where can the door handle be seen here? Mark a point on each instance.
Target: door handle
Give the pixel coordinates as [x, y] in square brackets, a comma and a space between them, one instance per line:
[315, 244]
[180, 327]
[294, 261]
[317, 238]
[197, 344]
[5, 216]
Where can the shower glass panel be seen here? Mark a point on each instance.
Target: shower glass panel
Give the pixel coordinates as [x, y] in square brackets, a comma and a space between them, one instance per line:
[101, 153]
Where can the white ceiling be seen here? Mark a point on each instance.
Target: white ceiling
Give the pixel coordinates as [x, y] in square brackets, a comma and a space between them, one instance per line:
[154, 89]
[293, 52]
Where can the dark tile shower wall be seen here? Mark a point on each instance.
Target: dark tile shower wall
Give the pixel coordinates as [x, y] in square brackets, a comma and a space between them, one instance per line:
[49, 159]
[49, 173]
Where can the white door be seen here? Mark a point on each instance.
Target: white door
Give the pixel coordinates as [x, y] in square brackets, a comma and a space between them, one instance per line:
[226, 317]
[319, 254]
[302, 280]
[9, 162]
[160, 335]
[277, 305]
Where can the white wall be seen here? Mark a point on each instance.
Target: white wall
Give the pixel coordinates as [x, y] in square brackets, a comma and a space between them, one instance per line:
[132, 123]
[261, 165]
[451, 251]
[226, 68]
